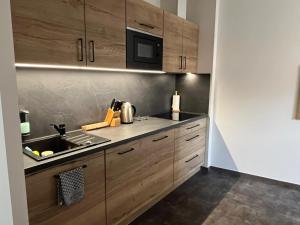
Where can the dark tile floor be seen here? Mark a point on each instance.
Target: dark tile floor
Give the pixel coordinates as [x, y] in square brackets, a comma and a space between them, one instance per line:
[222, 197]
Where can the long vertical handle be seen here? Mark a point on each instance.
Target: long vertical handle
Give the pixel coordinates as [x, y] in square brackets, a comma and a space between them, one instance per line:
[184, 62]
[180, 63]
[80, 49]
[92, 51]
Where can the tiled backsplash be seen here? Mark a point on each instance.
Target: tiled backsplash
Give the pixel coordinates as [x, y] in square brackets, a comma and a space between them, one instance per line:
[77, 98]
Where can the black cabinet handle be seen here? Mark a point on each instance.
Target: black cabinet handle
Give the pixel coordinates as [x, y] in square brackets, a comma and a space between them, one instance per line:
[155, 140]
[184, 62]
[129, 150]
[192, 138]
[80, 49]
[146, 25]
[180, 63]
[194, 157]
[92, 51]
[193, 127]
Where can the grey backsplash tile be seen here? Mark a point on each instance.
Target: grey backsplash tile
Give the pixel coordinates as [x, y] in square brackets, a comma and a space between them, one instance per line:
[194, 92]
[82, 97]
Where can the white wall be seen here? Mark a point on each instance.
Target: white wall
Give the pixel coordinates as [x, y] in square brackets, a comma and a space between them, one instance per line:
[257, 78]
[169, 5]
[13, 207]
[202, 12]
[181, 8]
[154, 2]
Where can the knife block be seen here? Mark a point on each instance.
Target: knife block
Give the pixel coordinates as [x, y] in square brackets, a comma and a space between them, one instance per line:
[116, 120]
[112, 119]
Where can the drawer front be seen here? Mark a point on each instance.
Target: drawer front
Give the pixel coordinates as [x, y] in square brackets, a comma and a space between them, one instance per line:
[144, 16]
[189, 144]
[159, 140]
[42, 195]
[124, 175]
[187, 165]
[190, 127]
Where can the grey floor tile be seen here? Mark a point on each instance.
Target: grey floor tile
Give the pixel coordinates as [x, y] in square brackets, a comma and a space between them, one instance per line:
[222, 197]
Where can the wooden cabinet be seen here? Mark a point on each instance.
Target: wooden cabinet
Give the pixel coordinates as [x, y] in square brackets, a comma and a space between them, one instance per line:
[180, 45]
[159, 149]
[172, 54]
[105, 33]
[190, 128]
[144, 16]
[190, 149]
[124, 175]
[42, 195]
[123, 183]
[137, 175]
[190, 47]
[70, 32]
[49, 32]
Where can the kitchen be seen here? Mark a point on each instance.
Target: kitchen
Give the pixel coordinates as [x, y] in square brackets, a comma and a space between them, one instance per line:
[107, 106]
[118, 115]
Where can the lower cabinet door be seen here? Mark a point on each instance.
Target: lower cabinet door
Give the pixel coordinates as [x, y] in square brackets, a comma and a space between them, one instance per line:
[159, 165]
[43, 202]
[137, 175]
[124, 175]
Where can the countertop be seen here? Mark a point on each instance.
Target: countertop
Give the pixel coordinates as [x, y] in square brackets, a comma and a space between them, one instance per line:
[117, 135]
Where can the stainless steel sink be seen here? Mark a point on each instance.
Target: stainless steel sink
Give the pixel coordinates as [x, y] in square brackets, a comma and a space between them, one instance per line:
[60, 144]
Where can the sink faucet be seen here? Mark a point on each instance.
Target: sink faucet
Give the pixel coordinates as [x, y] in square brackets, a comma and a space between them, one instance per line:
[61, 128]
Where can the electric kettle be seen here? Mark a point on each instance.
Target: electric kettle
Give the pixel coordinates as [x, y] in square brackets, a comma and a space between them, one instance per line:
[128, 111]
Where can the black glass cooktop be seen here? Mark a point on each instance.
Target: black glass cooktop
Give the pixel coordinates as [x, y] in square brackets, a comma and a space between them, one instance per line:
[181, 116]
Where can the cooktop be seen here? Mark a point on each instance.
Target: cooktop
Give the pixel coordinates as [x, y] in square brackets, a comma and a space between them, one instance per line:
[181, 116]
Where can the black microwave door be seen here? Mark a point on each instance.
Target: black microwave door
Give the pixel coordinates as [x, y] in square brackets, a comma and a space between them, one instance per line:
[143, 51]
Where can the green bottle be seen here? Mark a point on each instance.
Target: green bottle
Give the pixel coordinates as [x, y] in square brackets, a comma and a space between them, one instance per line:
[25, 124]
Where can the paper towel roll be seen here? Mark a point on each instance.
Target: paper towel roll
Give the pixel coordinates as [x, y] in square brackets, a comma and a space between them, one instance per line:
[176, 103]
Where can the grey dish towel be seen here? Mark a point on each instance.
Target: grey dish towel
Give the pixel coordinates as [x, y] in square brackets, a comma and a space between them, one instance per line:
[70, 185]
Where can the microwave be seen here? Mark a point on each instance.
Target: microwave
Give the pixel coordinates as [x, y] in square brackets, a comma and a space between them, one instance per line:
[143, 51]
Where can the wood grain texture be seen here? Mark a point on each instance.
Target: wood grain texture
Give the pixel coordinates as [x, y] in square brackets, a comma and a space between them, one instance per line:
[138, 173]
[124, 175]
[172, 54]
[190, 127]
[42, 195]
[190, 46]
[144, 16]
[190, 143]
[105, 26]
[190, 148]
[47, 32]
[159, 164]
[183, 167]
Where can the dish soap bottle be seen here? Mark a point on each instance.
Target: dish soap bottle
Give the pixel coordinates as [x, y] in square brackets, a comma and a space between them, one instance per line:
[25, 124]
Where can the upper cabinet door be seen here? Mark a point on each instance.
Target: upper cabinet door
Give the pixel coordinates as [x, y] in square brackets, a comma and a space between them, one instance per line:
[144, 16]
[190, 47]
[49, 32]
[105, 33]
[173, 29]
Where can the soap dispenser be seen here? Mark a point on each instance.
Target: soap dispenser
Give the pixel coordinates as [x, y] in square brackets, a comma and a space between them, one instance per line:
[25, 124]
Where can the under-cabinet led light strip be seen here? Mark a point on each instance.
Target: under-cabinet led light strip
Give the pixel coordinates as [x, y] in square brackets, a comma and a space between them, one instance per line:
[46, 66]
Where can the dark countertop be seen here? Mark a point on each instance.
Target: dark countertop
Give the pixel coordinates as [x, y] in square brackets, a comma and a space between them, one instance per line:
[117, 135]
